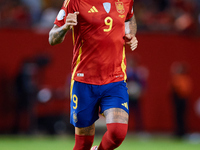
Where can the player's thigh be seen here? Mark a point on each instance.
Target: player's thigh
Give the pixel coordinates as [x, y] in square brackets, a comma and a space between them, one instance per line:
[116, 115]
[115, 96]
[85, 130]
[114, 104]
[84, 106]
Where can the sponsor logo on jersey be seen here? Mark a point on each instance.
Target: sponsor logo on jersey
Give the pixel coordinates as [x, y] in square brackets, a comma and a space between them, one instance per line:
[80, 74]
[125, 105]
[119, 76]
[120, 7]
[107, 6]
[93, 10]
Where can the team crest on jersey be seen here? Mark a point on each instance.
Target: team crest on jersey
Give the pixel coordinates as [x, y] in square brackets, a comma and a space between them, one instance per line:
[120, 7]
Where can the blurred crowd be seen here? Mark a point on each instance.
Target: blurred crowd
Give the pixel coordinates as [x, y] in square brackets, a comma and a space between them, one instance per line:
[168, 15]
[28, 13]
[151, 15]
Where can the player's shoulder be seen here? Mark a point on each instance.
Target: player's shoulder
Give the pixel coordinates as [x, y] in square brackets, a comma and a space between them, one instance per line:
[71, 5]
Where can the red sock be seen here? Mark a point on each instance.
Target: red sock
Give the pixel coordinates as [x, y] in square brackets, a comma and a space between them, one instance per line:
[83, 142]
[116, 133]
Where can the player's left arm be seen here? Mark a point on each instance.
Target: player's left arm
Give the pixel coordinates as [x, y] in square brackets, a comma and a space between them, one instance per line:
[130, 33]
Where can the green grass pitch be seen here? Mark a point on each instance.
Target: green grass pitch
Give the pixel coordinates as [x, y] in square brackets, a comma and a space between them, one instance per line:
[66, 143]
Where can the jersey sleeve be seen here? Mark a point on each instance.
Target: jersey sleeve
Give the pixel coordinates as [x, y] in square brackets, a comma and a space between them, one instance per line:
[130, 12]
[69, 6]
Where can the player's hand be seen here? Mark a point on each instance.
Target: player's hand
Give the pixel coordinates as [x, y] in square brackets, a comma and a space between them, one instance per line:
[71, 20]
[131, 41]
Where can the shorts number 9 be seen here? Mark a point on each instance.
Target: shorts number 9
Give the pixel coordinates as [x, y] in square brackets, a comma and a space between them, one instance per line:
[75, 100]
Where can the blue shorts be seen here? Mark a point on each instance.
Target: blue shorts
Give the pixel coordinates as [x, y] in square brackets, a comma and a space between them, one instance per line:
[89, 100]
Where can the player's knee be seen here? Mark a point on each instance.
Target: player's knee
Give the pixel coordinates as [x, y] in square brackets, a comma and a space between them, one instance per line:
[117, 132]
[118, 136]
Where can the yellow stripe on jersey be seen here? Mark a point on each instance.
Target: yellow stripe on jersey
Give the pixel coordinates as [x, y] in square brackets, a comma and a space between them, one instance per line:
[75, 68]
[95, 9]
[91, 10]
[123, 66]
[66, 3]
[73, 39]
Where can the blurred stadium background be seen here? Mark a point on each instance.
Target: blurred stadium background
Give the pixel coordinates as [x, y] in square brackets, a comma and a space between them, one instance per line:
[35, 77]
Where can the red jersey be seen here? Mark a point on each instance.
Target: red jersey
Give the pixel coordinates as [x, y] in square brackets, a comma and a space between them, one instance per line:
[99, 51]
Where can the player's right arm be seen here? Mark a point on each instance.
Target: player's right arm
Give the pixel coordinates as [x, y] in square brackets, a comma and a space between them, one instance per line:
[130, 33]
[57, 34]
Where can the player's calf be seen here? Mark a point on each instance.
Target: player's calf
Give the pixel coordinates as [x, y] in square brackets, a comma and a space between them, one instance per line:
[116, 133]
[83, 142]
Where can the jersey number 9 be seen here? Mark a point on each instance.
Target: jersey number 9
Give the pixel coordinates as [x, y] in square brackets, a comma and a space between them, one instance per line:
[109, 22]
